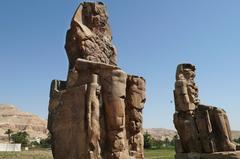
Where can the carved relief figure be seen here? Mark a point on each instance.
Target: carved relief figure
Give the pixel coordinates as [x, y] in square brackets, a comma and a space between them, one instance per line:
[134, 104]
[93, 114]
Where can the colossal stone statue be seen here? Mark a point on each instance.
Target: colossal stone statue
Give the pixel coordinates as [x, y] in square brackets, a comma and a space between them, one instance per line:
[97, 112]
[201, 128]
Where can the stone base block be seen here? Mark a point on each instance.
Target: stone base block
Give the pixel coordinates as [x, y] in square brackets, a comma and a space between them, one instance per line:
[215, 155]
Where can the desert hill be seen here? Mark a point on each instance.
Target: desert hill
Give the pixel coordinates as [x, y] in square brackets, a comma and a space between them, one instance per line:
[235, 134]
[162, 134]
[12, 118]
[16, 120]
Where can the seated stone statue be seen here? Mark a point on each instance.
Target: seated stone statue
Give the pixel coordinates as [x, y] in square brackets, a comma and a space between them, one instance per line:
[201, 128]
[97, 112]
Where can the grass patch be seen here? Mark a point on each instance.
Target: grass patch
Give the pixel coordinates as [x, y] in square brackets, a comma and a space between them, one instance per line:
[47, 154]
[31, 154]
[159, 153]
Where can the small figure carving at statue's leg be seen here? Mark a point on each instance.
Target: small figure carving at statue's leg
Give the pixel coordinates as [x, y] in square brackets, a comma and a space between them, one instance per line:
[93, 114]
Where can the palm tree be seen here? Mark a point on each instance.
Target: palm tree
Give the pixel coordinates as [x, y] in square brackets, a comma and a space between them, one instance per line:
[9, 132]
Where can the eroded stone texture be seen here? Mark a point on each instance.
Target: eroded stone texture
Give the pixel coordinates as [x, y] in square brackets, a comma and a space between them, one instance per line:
[134, 104]
[202, 129]
[90, 36]
[97, 112]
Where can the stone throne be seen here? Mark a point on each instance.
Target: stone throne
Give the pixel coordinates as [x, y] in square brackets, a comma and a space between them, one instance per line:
[203, 130]
[97, 112]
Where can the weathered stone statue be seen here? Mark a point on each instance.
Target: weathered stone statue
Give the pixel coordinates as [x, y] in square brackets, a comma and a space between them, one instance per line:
[135, 100]
[202, 129]
[97, 112]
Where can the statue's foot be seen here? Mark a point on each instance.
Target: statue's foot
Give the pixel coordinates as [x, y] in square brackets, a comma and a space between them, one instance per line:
[229, 146]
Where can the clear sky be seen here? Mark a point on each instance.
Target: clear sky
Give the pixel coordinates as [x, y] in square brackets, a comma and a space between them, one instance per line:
[152, 37]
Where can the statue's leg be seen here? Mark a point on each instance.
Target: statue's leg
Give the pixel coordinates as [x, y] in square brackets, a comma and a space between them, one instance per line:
[187, 130]
[222, 131]
[114, 93]
[227, 126]
[205, 131]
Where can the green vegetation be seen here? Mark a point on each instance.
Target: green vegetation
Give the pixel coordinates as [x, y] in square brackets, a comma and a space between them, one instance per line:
[20, 137]
[33, 154]
[151, 143]
[159, 153]
[237, 140]
[44, 143]
[9, 132]
[158, 149]
[47, 154]
[147, 140]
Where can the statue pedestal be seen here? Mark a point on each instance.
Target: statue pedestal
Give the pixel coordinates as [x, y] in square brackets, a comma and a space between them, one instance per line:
[215, 155]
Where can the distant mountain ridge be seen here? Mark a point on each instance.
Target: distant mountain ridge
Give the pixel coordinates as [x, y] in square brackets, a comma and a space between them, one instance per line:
[235, 134]
[162, 134]
[12, 118]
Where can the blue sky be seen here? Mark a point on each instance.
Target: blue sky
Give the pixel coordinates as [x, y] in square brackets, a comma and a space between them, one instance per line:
[151, 37]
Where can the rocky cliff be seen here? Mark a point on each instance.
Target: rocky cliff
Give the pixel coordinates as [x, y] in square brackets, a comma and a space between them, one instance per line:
[16, 120]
